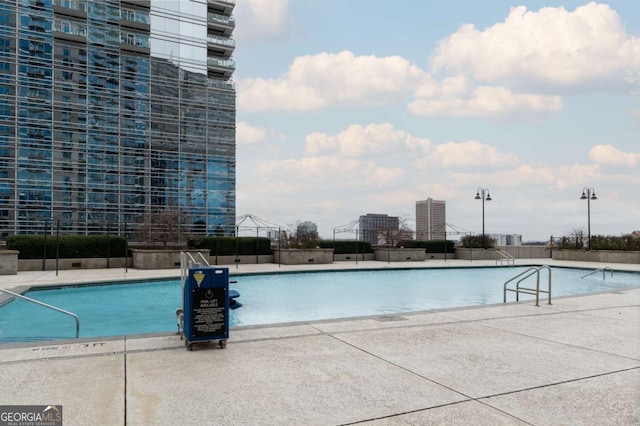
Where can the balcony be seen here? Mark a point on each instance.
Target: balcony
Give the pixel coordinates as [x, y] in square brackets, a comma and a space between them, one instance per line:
[220, 46]
[220, 67]
[222, 6]
[221, 24]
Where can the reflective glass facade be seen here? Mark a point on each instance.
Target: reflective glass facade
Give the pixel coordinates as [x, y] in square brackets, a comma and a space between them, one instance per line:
[111, 110]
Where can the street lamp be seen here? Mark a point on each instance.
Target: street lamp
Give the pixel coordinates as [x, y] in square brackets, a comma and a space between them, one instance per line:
[483, 194]
[588, 194]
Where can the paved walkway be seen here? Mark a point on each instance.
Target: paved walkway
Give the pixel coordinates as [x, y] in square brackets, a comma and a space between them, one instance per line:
[574, 362]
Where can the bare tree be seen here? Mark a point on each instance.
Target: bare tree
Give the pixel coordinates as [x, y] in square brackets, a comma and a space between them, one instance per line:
[161, 227]
[575, 240]
[298, 237]
[392, 237]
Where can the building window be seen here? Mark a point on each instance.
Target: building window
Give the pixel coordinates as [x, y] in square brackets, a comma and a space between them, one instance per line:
[134, 15]
[70, 27]
[134, 39]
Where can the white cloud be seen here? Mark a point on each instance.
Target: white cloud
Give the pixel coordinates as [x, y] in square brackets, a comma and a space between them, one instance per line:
[328, 173]
[608, 155]
[365, 141]
[247, 134]
[456, 155]
[386, 176]
[457, 96]
[314, 82]
[551, 45]
[262, 20]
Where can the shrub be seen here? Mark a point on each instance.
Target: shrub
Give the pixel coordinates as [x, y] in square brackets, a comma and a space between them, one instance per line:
[231, 246]
[475, 241]
[601, 242]
[347, 246]
[67, 246]
[431, 246]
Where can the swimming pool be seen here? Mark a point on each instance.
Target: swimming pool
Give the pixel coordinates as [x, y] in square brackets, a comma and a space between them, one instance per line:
[135, 308]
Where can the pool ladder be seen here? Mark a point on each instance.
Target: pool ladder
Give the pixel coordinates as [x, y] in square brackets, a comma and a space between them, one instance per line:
[187, 261]
[606, 268]
[37, 302]
[526, 290]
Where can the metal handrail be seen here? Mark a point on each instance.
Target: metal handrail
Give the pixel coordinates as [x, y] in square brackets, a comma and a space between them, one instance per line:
[535, 291]
[505, 256]
[186, 260]
[37, 302]
[606, 268]
[206, 262]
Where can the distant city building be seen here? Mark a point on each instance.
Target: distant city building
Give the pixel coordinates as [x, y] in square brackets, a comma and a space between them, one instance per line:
[431, 220]
[514, 240]
[307, 229]
[276, 235]
[372, 225]
[507, 239]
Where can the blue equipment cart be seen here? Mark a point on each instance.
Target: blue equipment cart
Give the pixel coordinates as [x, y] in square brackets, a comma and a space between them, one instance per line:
[206, 306]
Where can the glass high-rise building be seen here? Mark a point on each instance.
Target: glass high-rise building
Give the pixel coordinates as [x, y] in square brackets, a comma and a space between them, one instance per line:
[115, 110]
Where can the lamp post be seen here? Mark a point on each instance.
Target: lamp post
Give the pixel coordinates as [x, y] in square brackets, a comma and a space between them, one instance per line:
[483, 194]
[588, 194]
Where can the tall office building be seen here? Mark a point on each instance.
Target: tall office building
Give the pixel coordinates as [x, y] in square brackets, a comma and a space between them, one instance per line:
[115, 110]
[373, 227]
[431, 220]
[307, 228]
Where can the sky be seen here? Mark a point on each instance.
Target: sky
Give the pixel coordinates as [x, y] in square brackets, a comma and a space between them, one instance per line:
[365, 106]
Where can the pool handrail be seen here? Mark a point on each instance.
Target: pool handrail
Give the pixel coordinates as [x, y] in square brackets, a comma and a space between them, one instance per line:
[505, 257]
[534, 291]
[37, 302]
[606, 268]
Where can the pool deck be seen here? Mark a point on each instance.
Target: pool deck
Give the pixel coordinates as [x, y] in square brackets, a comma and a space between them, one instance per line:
[576, 361]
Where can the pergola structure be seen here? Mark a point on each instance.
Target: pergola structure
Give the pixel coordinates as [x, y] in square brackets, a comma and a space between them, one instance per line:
[351, 227]
[251, 223]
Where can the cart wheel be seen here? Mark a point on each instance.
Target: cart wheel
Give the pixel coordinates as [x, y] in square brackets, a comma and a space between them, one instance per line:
[223, 344]
[187, 345]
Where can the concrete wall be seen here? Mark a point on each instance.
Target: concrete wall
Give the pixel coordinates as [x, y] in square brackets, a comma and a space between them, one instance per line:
[161, 259]
[440, 256]
[527, 252]
[518, 252]
[476, 254]
[64, 264]
[352, 256]
[400, 254]
[8, 262]
[603, 256]
[245, 259]
[302, 256]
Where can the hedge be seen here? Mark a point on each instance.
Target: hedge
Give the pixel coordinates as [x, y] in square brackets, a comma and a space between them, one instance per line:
[602, 242]
[68, 246]
[475, 241]
[347, 246]
[231, 246]
[431, 246]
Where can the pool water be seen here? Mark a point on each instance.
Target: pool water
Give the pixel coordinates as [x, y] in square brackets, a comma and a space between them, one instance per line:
[135, 308]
